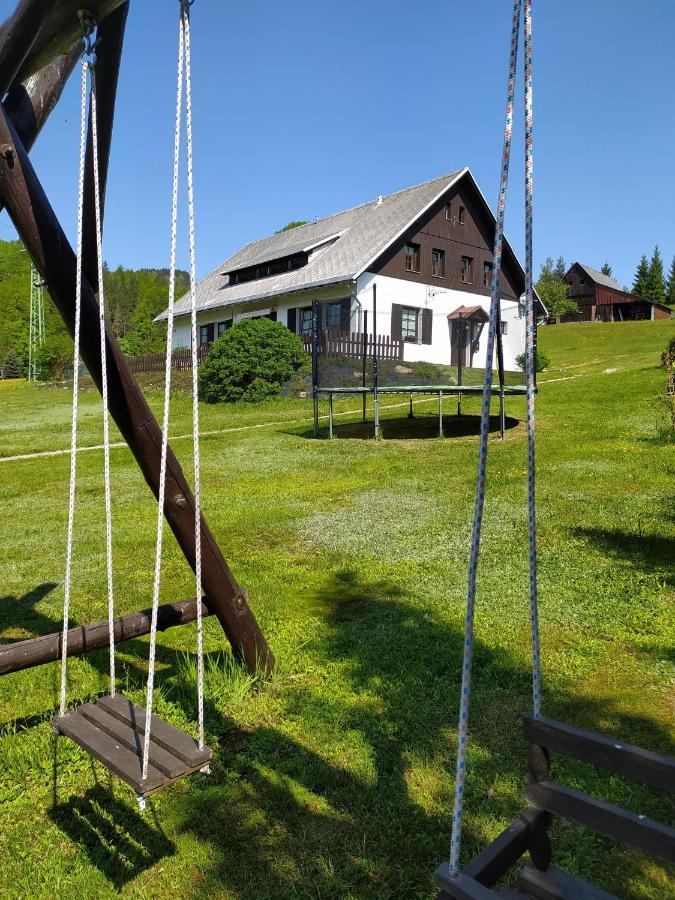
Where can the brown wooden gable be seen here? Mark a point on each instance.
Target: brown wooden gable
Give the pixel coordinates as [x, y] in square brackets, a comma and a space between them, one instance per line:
[441, 228]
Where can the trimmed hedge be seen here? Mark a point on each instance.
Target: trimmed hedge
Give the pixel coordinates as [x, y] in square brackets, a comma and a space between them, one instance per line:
[251, 361]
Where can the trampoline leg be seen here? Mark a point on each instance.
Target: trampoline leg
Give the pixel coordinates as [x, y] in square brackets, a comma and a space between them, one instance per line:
[459, 404]
[502, 417]
[330, 415]
[440, 413]
[410, 414]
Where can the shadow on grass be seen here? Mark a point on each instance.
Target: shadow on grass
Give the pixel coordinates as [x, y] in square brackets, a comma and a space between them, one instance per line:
[649, 552]
[346, 789]
[361, 807]
[418, 427]
[120, 842]
[20, 612]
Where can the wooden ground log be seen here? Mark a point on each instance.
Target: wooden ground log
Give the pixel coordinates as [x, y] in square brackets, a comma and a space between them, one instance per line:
[47, 648]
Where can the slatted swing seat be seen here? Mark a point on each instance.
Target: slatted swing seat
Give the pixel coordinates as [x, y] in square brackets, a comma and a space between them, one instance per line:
[112, 730]
[547, 799]
[142, 749]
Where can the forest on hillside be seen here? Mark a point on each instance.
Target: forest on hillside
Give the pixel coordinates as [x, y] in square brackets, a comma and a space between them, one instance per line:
[133, 298]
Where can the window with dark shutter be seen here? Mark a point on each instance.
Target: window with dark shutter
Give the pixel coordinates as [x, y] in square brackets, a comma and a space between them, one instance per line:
[396, 332]
[203, 335]
[427, 325]
[345, 314]
[333, 312]
[291, 318]
[461, 215]
[487, 274]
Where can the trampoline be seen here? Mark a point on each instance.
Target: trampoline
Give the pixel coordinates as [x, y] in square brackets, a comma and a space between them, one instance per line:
[440, 390]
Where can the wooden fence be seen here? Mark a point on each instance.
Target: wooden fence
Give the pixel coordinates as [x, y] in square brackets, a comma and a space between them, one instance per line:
[181, 360]
[354, 344]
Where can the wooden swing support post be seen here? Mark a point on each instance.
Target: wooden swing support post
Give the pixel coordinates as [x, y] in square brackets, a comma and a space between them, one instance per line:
[39, 45]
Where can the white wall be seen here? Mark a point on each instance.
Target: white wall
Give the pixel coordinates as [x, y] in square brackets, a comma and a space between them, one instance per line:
[281, 305]
[389, 290]
[441, 301]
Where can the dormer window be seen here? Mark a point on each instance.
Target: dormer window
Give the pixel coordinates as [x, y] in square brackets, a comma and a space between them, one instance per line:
[270, 267]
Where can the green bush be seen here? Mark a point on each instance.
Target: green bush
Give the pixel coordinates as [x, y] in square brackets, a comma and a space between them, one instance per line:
[12, 367]
[541, 361]
[251, 361]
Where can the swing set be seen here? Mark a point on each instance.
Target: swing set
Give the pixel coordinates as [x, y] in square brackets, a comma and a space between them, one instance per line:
[39, 47]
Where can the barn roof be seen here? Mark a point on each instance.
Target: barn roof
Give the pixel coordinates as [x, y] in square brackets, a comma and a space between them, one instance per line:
[600, 277]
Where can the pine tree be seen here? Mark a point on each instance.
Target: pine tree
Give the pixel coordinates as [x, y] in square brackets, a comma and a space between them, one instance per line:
[640, 282]
[12, 366]
[670, 290]
[656, 282]
[560, 269]
[606, 269]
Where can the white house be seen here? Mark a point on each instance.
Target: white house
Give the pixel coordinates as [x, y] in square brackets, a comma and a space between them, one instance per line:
[429, 250]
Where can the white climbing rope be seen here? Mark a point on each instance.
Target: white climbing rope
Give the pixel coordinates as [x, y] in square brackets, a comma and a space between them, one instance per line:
[185, 23]
[167, 399]
[76, 361]
[104, 380]
[462, 729]
[530, 368]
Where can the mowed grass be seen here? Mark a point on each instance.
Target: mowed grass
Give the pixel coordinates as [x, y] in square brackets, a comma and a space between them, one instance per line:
[335, 778]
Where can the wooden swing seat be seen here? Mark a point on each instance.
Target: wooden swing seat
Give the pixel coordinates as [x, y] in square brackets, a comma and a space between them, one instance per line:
[112, 729]
[529, 832]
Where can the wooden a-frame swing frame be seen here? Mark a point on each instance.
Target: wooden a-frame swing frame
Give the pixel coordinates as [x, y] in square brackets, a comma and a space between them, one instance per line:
[39, 46]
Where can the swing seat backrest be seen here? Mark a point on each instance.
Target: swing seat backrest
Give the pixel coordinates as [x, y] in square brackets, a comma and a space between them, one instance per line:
[547, 798]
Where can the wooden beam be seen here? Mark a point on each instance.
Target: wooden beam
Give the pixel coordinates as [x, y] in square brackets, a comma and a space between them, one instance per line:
[625, 759]
[555, 884]
[108, 57]
[29, 103]
[47, 648]
[43, 237]
[604, 818]
[51, 29]
[17, 36]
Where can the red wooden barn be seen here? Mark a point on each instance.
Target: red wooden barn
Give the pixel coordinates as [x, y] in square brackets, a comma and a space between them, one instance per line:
[601, 299]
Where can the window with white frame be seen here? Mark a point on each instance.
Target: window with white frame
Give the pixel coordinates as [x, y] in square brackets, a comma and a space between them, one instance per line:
[305, 320]
[409, 317]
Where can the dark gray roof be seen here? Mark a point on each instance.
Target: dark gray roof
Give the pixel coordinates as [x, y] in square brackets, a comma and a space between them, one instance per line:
[600, 277]
[363, 233]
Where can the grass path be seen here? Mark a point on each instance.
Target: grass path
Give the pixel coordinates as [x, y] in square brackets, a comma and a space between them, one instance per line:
[334, 780]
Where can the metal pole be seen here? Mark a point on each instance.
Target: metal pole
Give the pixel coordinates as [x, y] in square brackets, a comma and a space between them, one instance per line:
[375, 400]
[440, 413]
[365, 355]
[330, 414]
[315, 365]
[461, 334]
[500, 367]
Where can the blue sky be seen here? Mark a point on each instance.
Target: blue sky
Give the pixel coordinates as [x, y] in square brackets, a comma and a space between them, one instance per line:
[302, 109]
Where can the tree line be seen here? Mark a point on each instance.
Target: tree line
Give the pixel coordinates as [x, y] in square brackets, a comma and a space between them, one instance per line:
[650, 280]
[134, 297]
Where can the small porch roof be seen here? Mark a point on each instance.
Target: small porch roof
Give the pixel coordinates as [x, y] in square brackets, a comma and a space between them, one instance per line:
[469, 312]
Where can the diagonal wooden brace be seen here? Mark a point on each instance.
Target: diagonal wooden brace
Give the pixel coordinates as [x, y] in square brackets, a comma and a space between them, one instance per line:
[39, 229]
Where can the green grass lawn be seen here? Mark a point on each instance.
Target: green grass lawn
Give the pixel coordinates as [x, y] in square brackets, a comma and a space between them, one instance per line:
[335, 778]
